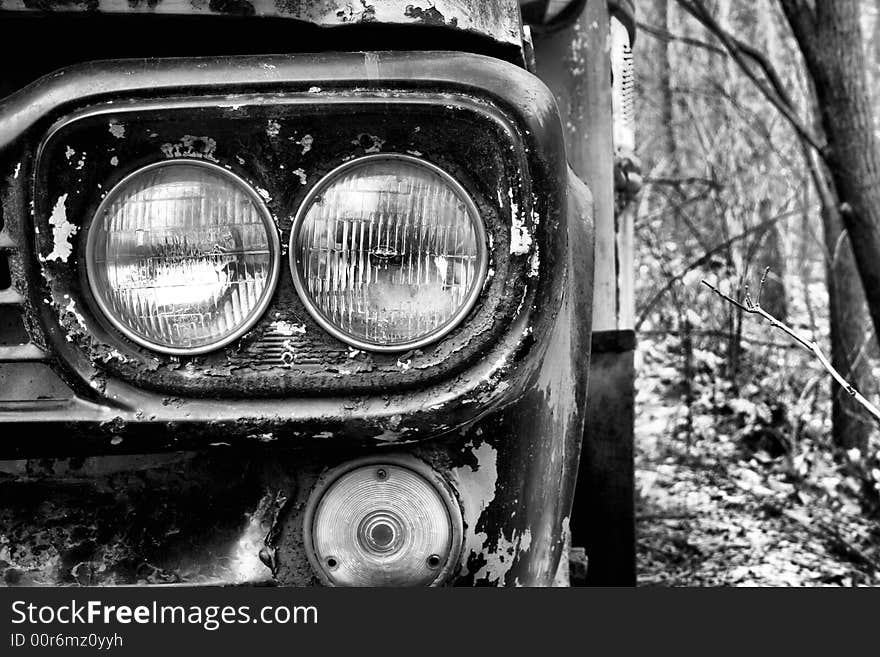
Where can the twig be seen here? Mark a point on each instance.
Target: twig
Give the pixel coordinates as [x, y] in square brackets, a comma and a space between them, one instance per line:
[773, 90]
[749, 306]
[643, 517]
[710, 333]
[665, 35]
[703, 259]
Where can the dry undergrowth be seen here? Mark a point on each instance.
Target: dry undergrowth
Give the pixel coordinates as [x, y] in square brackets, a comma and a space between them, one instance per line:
[714, 509]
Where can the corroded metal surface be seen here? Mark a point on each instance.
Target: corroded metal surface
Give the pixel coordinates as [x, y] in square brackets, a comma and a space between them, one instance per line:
[109, 413]
[498, 20]
[514, 470]
[577, 65]
[179, 518]
[505, 432]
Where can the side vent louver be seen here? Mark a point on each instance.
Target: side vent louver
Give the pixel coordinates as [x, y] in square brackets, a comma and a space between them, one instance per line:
[623, 87]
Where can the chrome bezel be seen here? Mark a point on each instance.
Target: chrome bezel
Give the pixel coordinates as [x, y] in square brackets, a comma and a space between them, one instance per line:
[356, 341]
[274, 248]
[432, 477]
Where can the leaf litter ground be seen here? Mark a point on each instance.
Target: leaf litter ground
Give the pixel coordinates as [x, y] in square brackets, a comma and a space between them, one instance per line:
[718, 504]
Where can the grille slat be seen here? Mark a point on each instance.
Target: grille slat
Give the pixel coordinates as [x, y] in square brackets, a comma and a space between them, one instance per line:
[15, 344]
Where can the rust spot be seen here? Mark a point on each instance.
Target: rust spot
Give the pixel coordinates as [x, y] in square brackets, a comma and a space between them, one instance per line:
[429, 16]
[235, 7]
[351, 15]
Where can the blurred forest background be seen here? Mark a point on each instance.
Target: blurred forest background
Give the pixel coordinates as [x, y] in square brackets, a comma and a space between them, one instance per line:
[752, 467]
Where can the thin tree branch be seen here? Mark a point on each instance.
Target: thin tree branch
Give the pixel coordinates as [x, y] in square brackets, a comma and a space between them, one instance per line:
[739, 51]
[649, 306]
[749, 306]
[663, 35]
[678, 183]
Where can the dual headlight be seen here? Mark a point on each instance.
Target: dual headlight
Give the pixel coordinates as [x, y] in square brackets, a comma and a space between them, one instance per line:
[387, 252]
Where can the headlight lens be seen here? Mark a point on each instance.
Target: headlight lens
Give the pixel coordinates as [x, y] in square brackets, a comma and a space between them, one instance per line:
[383, 524]
[388, 252]
[182, 257]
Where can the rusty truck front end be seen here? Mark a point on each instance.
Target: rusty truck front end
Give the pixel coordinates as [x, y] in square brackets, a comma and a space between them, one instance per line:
[318, 317]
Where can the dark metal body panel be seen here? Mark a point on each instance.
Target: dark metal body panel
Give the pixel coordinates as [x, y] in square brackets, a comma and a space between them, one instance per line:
[505, 428]
[574, 63]
[107, 409]
[498, 20]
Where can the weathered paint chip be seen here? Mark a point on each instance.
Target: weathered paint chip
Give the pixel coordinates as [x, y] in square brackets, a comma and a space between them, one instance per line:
[306, 143]
[62, 231]
[288, 328]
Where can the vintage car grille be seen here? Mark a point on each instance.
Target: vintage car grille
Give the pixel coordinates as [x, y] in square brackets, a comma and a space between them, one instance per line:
[281, 145]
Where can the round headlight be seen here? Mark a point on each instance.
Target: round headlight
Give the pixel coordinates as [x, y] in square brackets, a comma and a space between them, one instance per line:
[388, 252]
[383, 523]
[182, 257]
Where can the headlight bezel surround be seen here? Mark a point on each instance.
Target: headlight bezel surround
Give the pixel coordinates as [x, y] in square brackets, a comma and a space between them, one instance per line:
[451, 132]
[274, 245]
[481, 268]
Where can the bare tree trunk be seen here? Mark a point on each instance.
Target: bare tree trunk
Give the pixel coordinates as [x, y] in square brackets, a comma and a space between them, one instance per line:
[850, 342]
[664, 86]
[874, 57]
[829, 36]
[772, 257]
[851, 337]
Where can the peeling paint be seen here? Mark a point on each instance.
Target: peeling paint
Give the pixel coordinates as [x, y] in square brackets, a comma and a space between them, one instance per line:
[117, 130]
[262, 192]
[306, 143]
[191, 146]
[429, 16]
[301, 174]
[476, 486]
[288, 328]
[17, 170]
[534, 264]
[349, 14]
[71, 308]
[500, 558]
[288, 355]
[370, 143]
[520, 237]
[273, 128]
[62, 231]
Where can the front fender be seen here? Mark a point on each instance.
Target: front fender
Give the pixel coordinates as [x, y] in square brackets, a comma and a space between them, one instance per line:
[518, 487]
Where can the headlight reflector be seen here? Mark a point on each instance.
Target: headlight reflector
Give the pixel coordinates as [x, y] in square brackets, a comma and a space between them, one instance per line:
[388, 252]
[182, 257]
[383, 523]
